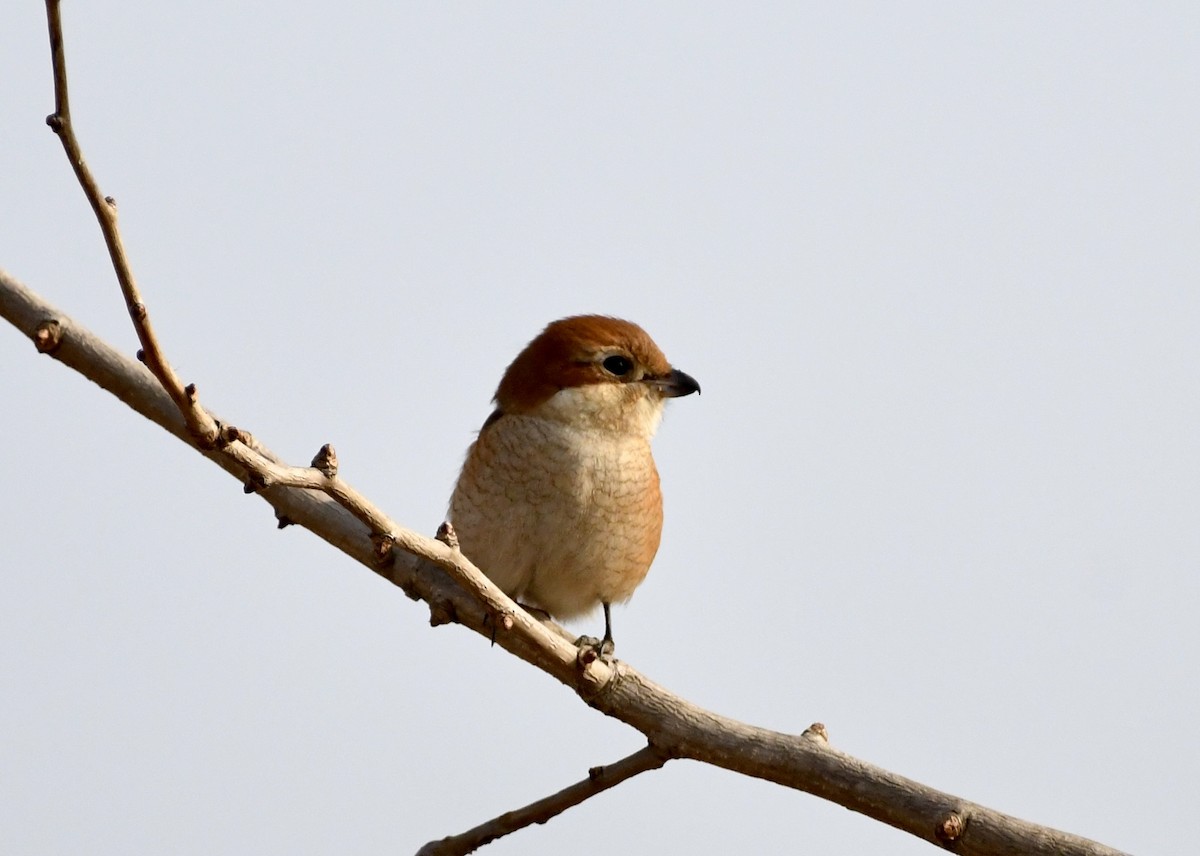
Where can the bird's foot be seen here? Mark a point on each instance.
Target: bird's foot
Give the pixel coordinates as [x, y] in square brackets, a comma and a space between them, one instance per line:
[591, 649]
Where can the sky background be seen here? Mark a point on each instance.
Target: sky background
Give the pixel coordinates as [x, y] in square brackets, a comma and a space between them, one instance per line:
[936, 266]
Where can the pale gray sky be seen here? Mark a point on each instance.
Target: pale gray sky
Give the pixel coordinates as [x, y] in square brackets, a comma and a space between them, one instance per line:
[936, 266]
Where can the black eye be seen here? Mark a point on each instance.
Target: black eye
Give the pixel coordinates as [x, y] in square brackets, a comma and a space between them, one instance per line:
[618, 365]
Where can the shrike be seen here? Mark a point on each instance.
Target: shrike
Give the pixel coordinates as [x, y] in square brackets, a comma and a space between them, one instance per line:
[558, 501]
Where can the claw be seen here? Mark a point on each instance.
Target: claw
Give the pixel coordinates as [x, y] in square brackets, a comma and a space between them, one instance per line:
[591, 649]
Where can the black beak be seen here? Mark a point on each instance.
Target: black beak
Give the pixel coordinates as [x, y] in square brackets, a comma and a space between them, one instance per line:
[676, 384]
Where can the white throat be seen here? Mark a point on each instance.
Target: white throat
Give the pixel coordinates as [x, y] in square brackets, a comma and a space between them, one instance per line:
[624, 408]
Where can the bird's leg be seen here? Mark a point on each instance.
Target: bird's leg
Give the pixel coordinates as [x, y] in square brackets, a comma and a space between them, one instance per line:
[607, 646]
[546, 620]
[536, 611]
[604, 647]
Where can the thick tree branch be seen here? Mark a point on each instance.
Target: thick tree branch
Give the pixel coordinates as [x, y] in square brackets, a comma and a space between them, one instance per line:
[673, 724]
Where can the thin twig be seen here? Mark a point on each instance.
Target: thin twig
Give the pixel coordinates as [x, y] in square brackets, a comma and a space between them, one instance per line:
[599, 779]
[206, 430]
[105, 207]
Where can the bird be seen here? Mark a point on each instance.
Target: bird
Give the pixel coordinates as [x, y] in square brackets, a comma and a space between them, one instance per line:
[559, 501]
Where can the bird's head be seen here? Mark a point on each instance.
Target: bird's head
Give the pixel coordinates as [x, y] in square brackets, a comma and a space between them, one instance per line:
[594, 372]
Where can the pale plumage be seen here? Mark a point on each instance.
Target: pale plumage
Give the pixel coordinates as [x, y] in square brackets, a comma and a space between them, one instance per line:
[559, 501]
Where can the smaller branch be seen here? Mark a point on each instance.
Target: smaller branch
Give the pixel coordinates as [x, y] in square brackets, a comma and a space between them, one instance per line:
[201, 426]
[599, 779]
